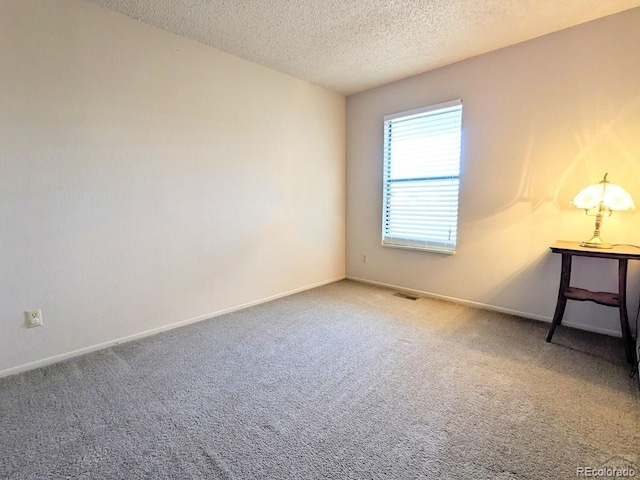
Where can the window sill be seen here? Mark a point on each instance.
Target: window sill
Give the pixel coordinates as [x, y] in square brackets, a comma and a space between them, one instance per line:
[421, 249]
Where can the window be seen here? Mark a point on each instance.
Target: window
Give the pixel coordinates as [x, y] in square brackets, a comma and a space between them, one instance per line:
[421, 178]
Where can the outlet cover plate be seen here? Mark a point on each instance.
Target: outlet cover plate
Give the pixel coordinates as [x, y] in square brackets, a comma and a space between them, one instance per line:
[33, 318]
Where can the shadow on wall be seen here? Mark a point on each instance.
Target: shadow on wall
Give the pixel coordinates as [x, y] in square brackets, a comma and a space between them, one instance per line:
[590, 273]
[522, 199]
[551, 164]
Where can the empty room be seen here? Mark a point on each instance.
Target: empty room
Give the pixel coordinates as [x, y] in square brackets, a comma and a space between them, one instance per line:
[305, 239]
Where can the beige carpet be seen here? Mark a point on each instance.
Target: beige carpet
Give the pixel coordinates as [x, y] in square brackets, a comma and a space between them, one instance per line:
[343, 381]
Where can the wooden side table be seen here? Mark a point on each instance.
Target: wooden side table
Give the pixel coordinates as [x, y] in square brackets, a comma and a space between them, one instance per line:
[619, 300]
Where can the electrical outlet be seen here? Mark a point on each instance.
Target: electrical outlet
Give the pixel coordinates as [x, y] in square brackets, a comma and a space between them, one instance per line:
[33, 318]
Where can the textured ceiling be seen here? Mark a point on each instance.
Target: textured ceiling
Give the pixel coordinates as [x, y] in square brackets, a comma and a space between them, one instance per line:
[352, 45]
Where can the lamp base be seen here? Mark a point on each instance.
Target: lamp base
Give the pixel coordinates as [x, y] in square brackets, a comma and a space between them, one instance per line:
[595, 242]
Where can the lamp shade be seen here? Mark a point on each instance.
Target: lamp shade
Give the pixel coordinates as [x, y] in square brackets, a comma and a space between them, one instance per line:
[605, 194]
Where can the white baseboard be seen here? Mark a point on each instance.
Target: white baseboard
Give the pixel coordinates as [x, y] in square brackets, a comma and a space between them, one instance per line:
[153, 331]
[495, 308]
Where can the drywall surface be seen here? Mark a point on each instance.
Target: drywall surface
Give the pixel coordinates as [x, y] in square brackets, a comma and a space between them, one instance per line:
[146, 180]
[541, 120]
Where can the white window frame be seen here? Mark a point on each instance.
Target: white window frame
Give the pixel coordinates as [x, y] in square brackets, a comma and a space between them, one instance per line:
[436, 232]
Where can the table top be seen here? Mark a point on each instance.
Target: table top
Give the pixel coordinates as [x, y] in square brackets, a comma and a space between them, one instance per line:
[617, 251]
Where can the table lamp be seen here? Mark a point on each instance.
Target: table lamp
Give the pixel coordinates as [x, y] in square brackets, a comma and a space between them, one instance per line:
[601, 199]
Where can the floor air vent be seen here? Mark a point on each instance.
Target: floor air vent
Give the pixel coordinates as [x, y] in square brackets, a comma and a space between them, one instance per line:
[405, 295]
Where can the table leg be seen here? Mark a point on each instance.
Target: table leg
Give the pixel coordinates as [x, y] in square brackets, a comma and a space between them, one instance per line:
[624, 317]
[565, 278]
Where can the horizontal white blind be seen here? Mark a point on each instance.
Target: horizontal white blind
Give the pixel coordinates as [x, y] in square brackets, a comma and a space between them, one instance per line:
[421, 177]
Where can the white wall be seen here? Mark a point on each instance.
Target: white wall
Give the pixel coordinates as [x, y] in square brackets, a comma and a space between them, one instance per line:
[541, 120]
[146, 180]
